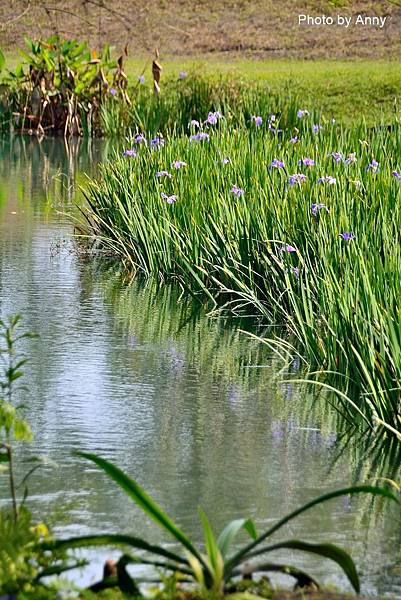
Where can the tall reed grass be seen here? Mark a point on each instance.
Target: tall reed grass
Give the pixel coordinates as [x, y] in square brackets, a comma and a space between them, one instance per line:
[319, 257]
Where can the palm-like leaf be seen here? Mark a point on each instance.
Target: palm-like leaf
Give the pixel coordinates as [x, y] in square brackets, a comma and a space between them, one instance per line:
[143, 500]
[331, 551]
[109, 539]
[366, 489]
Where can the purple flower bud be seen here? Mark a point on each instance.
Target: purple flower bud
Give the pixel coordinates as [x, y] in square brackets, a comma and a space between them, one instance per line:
[163, 174]
[113, 91]
[141, 78]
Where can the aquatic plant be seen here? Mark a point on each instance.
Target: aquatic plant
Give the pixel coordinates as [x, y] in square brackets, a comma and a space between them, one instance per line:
[61, 86]
[219, 564]
[319, 253]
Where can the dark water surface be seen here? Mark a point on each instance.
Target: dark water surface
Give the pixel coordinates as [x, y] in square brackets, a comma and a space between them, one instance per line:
[129, 372]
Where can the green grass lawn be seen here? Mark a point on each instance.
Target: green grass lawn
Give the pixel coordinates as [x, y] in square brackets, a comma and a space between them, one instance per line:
[343, 89]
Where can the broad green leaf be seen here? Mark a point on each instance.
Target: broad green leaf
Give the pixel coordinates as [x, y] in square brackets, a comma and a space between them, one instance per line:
[363, 489]
[331, 551]
[231, 530]
[143, 500]
[112, 539]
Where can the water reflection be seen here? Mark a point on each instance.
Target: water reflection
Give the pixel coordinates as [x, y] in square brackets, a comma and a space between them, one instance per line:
[138, 375]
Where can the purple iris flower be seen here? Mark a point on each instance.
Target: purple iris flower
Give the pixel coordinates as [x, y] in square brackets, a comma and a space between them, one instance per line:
[295, 271]
[237, 191]
[288, 248]
[296, 178]
[163, 174]
[194, 123]
[373, 166]
[212, 118]
[182, 74]
[202, 135]
[178, 164]
[113, 91]
[316, 128]
[141, 78]
[169, 199]
[277, 164]
[327, 179]
[258, 120]
[302, 112]
[130, 153]
[347, 236]
[294, 139]
[307, 162]
[396, 175]
[226, 161]
[351, 158]
[316, 207]
[140, 138]
[338, 157]
[157, 142]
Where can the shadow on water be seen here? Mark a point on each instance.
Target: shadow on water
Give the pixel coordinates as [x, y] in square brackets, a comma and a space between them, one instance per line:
[194, 409]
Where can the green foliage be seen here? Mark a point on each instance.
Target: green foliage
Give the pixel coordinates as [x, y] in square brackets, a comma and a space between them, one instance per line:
[213, 569]
[60, 86]
[22, 560]
[338, 300]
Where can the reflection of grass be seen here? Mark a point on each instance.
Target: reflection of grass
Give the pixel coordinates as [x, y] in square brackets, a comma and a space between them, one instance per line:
[215, 352]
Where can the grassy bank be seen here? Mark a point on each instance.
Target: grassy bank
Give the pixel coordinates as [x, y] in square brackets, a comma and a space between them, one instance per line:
[343, 89]
[300, 226]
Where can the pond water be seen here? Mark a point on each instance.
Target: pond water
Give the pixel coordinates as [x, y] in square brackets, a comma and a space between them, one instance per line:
[135, 373]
